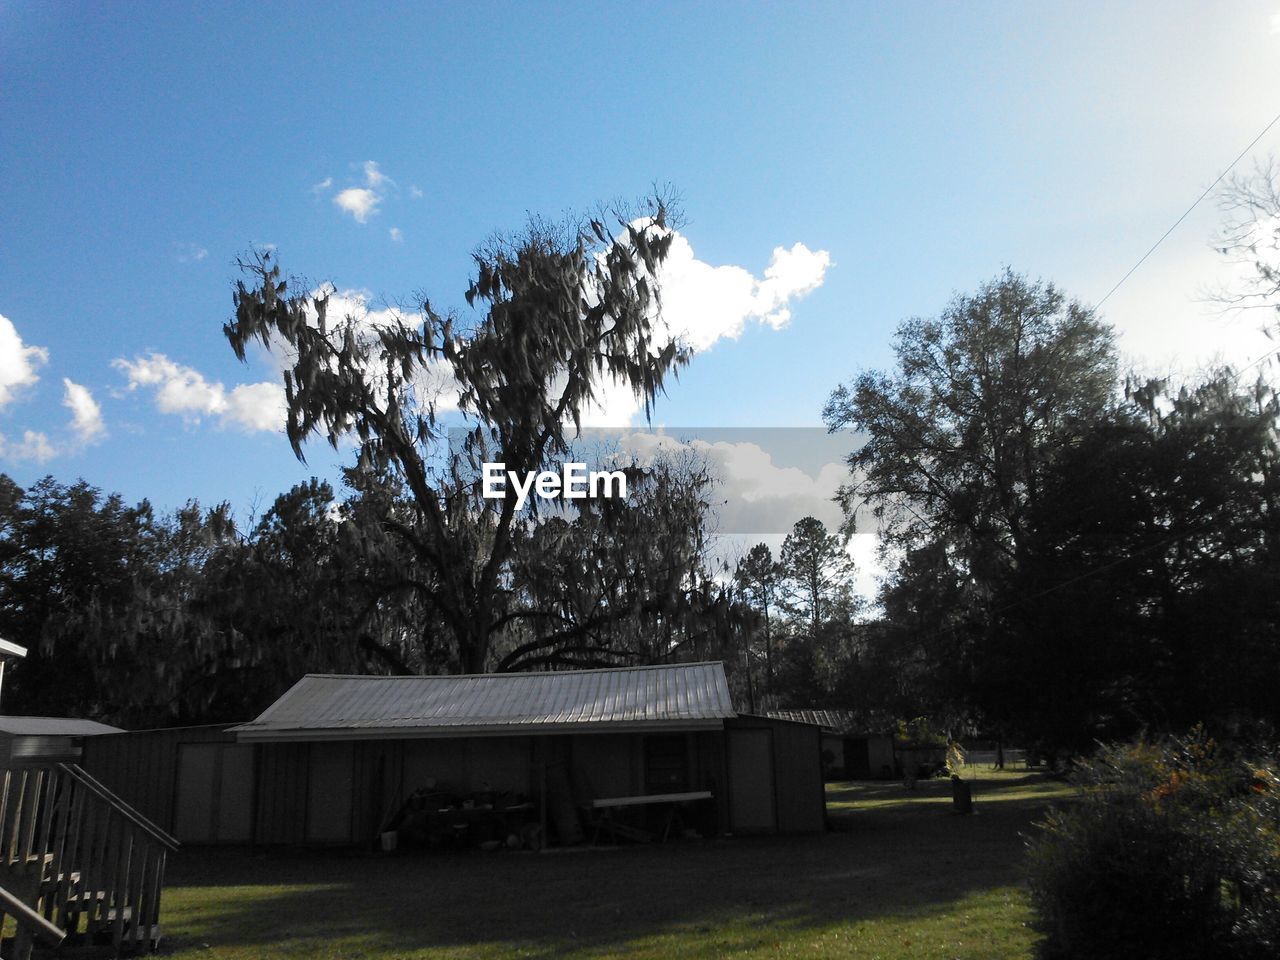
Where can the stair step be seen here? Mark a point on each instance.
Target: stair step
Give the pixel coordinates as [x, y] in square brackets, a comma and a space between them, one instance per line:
[85, 896]
[52, 883]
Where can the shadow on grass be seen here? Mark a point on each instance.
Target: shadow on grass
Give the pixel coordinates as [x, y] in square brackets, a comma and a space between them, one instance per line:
[913, 859]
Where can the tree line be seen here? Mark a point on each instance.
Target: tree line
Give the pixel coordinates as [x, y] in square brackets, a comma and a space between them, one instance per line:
[1073, 552]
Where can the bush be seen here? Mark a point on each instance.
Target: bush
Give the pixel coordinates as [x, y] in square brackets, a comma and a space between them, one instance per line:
[1172, 852]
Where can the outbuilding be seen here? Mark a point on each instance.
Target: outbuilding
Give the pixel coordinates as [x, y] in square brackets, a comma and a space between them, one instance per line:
[849, 752]
[46, 739]
[339, 759]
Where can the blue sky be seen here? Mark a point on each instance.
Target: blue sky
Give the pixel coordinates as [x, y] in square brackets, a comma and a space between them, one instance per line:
[911, 151]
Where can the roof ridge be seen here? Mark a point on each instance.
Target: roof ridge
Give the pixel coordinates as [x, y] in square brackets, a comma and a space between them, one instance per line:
[487, 676]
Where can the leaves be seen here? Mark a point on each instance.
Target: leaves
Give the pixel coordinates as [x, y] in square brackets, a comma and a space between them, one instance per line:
[559, 310]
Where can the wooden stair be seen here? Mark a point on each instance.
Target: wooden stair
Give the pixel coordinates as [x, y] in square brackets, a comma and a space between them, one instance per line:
[80, 859]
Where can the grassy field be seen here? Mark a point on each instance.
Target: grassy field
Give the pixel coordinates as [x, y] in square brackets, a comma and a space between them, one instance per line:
[900, 876]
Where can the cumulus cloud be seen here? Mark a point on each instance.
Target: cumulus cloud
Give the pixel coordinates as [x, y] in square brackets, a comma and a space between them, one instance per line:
[183, 390]
[433, 385]
[33, 446]
[758, 493]
[703, 304]
[18, 361]
[766, 480]
[360, 202]
[86, 415]
[396, 235]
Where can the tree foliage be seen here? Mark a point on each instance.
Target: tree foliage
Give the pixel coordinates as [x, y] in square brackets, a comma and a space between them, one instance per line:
[557, 315]
[1077, 558]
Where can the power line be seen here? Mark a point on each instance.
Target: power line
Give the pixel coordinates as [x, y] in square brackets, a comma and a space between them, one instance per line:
[1186, 213]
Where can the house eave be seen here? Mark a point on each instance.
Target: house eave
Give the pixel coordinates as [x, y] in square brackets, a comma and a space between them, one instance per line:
[246, 733]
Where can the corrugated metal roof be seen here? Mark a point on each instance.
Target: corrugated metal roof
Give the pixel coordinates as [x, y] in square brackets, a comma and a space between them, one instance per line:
[319, 706]
[835, 721]
[53, 727]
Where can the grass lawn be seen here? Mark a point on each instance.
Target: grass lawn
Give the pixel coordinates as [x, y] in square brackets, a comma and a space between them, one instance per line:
[898, 877]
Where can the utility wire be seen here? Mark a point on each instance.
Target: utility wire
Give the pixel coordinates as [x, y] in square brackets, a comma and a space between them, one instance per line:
[1186, 213]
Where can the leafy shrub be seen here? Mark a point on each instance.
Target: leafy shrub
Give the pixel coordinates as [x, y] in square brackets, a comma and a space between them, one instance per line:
[1172, 852]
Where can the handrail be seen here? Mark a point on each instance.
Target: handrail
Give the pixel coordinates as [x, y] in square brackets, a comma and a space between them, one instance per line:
[78, 773]
[44, 931]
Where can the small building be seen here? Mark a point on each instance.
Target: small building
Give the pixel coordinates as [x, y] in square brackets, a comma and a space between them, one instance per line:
[336, 757]
[848, 752]
[41, 739]
[46, 739]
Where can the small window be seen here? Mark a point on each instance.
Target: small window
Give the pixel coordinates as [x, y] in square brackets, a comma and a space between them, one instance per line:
[666, 764]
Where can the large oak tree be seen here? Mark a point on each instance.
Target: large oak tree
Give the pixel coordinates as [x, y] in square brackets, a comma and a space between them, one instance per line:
[556, 315]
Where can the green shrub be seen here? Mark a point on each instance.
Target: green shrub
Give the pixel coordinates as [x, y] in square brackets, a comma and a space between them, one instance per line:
[1171, 852]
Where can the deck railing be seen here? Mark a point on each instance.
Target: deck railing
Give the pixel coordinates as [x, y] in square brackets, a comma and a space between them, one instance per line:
[80, 857]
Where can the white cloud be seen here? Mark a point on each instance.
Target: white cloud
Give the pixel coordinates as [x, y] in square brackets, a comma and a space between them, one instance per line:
[759, 497]
[703, 304]
[33, 446]
[791, 274]
[434, 384]
[359, 202]
[415, 192]
[86, 415]
[396, 235]
[18, 362]
[362, 202]
[183, 390]
[757, 494]
[375, 178]
[255, 406]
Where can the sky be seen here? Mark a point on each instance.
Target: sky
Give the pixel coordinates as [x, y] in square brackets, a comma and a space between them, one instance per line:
[841, 167]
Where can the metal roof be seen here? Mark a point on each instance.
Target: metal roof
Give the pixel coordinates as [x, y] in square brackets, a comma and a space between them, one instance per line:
[53, 727]
[833, 721]
[683, 696]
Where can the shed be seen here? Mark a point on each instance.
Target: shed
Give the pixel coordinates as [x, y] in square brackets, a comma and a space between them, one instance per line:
[335, 756]
[36, 739]
[848, 750]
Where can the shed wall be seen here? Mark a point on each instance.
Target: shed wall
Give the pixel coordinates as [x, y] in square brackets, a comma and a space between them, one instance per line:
[283, 782]
[141, 767]
[797, 760]
[775, 772]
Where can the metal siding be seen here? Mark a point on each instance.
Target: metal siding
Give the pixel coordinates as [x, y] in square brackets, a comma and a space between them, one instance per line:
[141, 767]
[797, 762]
[282, 792]
[193, 820]
[753, 777]
[330, 792]
[235, 794]
[795, 789]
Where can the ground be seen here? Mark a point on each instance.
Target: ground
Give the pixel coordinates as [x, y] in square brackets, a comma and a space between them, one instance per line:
[899, 876]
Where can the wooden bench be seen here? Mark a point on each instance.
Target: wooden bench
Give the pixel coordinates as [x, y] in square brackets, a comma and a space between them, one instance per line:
[605, 820]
